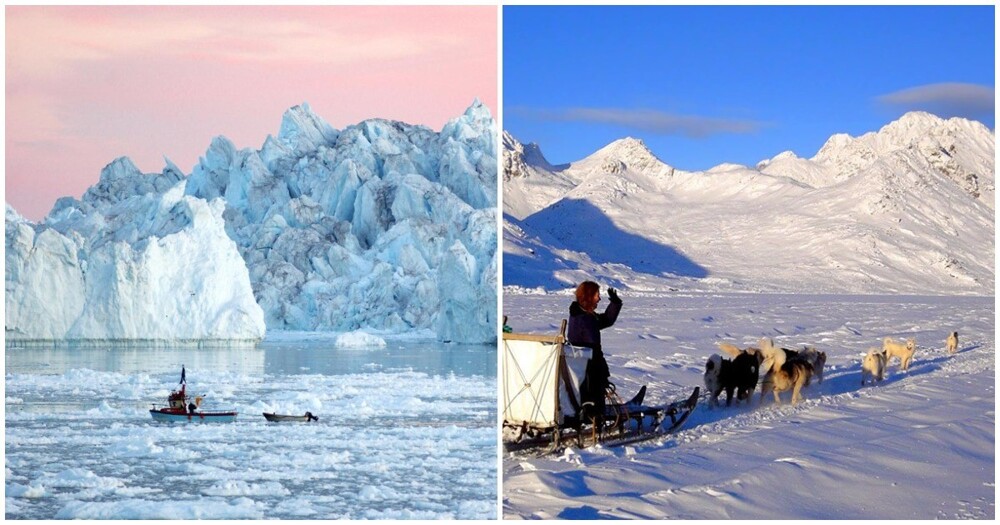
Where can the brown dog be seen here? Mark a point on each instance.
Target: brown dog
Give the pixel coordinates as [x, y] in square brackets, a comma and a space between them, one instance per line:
[783, 372]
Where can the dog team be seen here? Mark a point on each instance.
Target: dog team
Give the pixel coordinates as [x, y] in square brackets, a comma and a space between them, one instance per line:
[780, 369]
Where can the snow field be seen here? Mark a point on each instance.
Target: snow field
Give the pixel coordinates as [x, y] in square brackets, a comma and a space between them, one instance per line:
[81, 444]
[920, 445]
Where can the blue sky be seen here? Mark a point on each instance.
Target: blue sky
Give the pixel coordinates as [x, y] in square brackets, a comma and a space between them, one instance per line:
[712, 84]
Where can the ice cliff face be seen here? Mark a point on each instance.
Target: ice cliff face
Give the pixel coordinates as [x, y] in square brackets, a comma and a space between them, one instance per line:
[382, 225]
[134, 259]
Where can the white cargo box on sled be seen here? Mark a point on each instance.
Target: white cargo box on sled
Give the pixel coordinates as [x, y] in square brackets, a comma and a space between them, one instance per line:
[541, 377]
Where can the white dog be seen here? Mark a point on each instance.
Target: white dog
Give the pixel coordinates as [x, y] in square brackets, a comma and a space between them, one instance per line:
[952, 342]
[873, 366]
[903, 351]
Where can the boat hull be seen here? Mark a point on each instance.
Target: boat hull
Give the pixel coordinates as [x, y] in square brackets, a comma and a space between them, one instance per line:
[280, 418]
[196, 417]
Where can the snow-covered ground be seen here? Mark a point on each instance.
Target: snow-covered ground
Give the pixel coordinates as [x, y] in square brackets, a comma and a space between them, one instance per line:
[921, 445]
[80, 443]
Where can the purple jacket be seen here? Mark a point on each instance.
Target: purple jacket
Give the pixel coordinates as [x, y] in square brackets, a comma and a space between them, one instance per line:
[584, 328]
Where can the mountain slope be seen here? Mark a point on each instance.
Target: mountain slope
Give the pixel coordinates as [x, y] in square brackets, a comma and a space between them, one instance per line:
[908, 209]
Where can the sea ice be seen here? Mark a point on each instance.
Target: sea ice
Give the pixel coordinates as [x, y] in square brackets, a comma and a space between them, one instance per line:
[359, 339]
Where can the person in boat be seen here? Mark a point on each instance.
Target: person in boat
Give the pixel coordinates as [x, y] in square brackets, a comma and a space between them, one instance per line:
[584, 329]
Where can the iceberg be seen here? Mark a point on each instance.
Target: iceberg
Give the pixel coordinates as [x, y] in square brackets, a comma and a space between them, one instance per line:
[128, 262]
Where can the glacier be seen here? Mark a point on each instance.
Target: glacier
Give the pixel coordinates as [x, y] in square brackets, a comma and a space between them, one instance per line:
[128, 262]
[381, 226]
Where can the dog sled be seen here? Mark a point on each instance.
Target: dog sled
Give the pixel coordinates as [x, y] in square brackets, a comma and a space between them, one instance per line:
[541, 377]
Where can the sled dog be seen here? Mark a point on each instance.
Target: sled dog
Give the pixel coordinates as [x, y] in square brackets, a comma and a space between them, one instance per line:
[783, 371]
[815, 358]
[903, 351]
[740, 374]
[730, 349]
[873, 366]
[952, 342]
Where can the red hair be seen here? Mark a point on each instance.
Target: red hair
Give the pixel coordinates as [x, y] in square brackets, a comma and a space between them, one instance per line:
[585, 294]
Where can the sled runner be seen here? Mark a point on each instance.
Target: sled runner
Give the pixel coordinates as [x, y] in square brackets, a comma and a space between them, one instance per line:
[541, 377]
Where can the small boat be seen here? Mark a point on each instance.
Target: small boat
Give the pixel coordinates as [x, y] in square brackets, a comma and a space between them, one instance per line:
[198, 416]
[279, 418]
[178, 409]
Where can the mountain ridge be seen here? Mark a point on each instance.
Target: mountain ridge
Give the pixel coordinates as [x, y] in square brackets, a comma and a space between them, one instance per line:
[905, 209]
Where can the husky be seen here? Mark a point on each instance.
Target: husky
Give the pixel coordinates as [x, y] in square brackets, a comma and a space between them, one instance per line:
[740, 374]
[783, 371]
[730, 349]
[952, 343]
[903, 351]
[748, 361]
[815, 358]
[812, 356]
[713, 379]
[873, 366]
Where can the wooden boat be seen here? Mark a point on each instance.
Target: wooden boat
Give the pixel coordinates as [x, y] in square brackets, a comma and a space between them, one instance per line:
[169, 414]
[279, 418]
[178, 409]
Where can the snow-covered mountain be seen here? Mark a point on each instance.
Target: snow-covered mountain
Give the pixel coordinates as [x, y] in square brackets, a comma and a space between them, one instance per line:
[382, 225]
[906, 209]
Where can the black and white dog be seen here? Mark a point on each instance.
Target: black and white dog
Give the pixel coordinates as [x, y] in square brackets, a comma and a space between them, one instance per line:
[740, 374]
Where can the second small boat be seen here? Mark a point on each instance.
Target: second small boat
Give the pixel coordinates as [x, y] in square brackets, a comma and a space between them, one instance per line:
[280, 418]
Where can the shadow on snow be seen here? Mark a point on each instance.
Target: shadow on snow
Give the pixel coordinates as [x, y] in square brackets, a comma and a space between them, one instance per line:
[579, 226]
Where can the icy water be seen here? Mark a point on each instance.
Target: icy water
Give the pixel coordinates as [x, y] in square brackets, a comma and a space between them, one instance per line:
[407, 431]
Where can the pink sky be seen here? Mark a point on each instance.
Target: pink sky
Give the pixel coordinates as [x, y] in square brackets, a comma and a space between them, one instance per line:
[86, 85]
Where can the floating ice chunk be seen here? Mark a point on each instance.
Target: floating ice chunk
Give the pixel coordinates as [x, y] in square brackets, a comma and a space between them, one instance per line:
[140, 509]
[242, 488]
[359, 339]
[81, 478]
[16, 490]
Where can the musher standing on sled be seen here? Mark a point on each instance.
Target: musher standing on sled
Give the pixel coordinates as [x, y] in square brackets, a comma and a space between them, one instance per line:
[584, 329]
